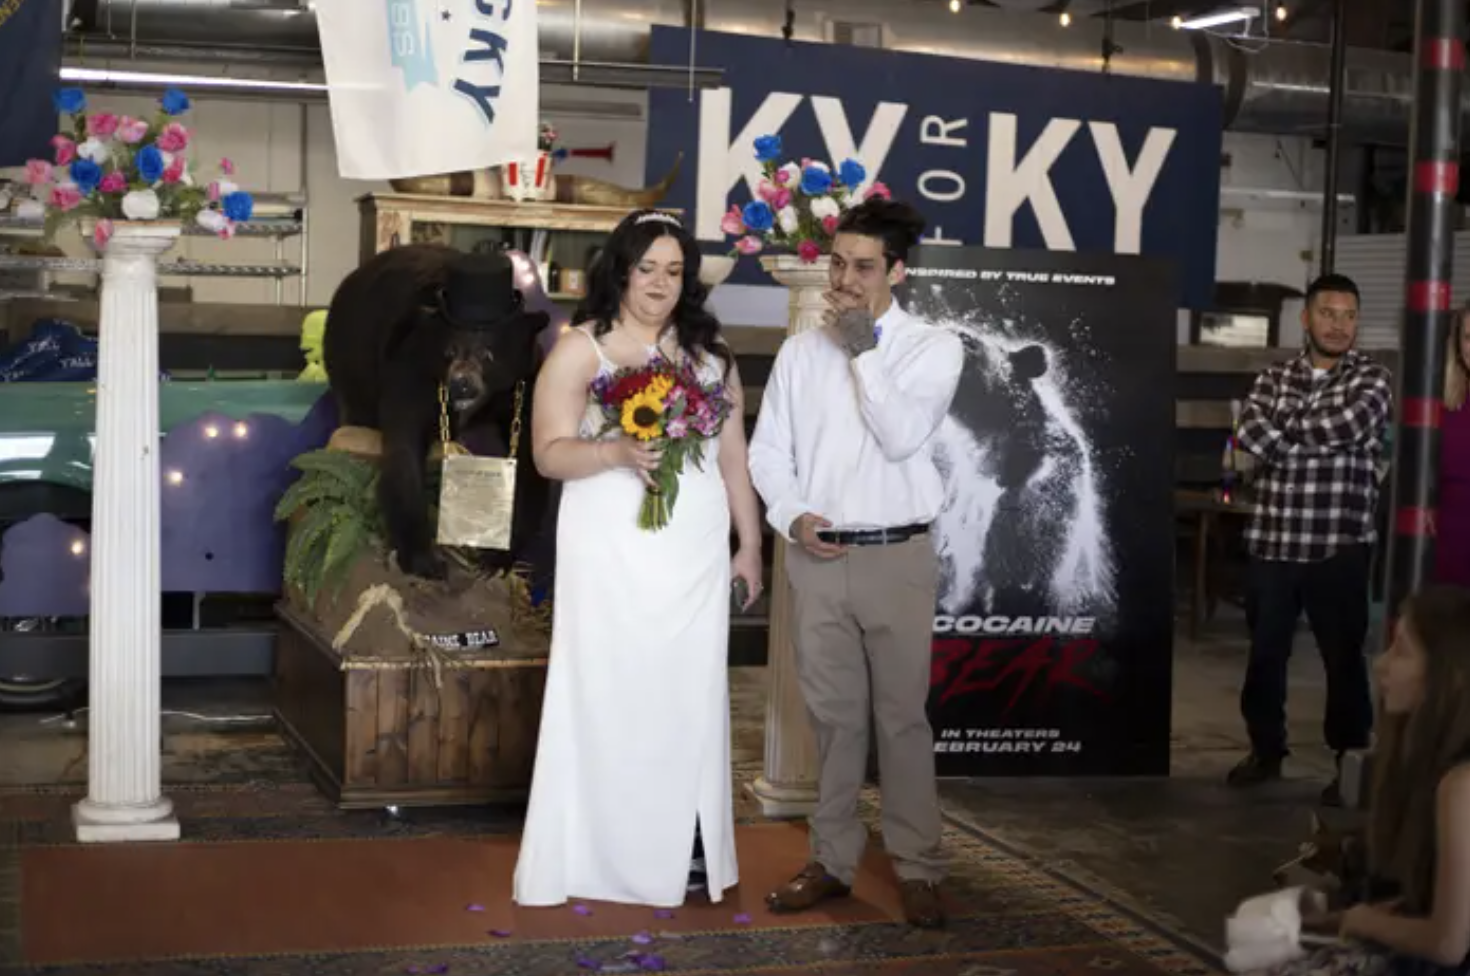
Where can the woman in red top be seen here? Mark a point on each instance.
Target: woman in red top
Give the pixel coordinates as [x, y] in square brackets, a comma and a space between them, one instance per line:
[1452, 542]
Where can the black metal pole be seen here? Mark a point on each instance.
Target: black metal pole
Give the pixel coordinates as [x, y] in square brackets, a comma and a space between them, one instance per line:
[1434, 137]
[1337, 82]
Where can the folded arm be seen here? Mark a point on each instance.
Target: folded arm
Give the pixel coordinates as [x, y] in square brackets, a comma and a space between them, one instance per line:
[1359, 424]
[773, 450]
[1257, 431]
[904, 394]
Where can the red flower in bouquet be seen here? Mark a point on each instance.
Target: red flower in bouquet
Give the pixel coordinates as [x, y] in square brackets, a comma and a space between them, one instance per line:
[659, 402]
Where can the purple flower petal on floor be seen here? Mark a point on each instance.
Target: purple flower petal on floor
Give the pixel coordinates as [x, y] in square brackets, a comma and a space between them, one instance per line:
[500, 933]
[474, 908]
[443, 967]
[582, 909]
[587, 962]
[652, 964]
[663, 913]
[642, 938]
[742, 919]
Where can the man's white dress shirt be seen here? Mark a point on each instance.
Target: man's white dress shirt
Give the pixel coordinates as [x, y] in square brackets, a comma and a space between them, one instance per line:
[850, 439]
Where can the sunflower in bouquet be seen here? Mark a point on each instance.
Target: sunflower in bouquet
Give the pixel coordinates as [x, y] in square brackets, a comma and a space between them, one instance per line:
[665, 405]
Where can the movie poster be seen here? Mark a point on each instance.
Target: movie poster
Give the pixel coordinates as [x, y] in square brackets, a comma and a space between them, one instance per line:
[1053, 631]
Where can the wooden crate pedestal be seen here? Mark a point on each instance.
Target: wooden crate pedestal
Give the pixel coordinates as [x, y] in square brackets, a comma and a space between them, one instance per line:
[381, 733]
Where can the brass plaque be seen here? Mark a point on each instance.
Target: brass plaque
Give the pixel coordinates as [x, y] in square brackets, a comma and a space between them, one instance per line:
[477, 502]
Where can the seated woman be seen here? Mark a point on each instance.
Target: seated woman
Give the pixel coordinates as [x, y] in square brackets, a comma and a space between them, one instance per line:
[1419, 824]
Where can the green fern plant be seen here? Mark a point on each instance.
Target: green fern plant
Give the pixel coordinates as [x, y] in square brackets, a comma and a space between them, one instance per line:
[336, 499]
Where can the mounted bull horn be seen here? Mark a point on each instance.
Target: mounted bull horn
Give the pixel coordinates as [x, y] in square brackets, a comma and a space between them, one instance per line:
[486, 184]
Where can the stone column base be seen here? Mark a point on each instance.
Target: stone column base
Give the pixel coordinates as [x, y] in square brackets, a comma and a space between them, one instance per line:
[96, 824]
[783, 802]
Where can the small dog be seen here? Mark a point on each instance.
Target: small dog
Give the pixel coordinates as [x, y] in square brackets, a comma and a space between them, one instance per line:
[1334, 861]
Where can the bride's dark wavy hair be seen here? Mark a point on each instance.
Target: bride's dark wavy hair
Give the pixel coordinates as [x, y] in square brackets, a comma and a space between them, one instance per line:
[696, 329]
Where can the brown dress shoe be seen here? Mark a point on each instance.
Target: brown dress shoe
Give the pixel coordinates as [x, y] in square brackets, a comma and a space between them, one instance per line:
[808, 889]
[922, 905]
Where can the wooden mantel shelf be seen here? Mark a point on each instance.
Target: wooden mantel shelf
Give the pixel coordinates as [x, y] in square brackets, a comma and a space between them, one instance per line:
[420, 208]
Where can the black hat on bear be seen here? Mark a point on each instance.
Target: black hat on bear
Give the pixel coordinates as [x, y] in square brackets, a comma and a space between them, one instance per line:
[479, 291]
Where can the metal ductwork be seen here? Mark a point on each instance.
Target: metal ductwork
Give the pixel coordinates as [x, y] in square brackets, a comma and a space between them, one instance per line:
[1277, 87]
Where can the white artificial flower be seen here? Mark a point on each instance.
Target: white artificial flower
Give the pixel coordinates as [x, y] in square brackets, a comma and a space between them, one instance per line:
[30, 210]
[790, 174]
[788, 218]
[226, 187]
[212, 220]
[140, 205]
[95, 150]
[823, 207]
[818, 164]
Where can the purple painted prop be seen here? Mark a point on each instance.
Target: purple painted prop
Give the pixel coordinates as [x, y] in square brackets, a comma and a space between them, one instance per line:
[44, 569]
[221, 479]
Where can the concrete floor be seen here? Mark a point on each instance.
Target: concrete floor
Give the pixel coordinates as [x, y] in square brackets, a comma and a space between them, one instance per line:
[1186, 847]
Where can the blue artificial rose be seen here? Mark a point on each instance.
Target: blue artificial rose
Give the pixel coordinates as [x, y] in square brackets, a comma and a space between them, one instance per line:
[238, 206]
[69, 101]
[815, 181]
[86, 175]
[768, 149]
[758, 216]
[852, 173]
[174, 102]
[149, 161]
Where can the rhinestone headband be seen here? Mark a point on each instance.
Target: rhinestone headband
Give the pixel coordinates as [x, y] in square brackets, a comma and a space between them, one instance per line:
[659, 216]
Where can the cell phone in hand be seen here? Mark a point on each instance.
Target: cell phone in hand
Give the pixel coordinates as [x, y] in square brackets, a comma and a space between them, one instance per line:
[828, 536]
[740, 593]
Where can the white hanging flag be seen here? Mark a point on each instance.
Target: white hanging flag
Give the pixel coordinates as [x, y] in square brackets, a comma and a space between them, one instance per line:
[424, 87]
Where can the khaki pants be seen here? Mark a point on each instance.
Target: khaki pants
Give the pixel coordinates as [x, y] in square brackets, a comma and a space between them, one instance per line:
[862, 632]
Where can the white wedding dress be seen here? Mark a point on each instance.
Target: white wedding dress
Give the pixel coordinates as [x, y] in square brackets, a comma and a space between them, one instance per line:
[635, 726]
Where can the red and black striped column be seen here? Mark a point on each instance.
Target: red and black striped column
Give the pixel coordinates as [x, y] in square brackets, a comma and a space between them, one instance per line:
[1434, 140]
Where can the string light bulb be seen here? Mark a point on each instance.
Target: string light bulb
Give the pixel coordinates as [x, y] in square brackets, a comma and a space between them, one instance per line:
[954, 6]
[1281, 11]
[1066, 19]
[1176, 22]
[241, 430]
[78, 547]
[176, 477]
[211, 432]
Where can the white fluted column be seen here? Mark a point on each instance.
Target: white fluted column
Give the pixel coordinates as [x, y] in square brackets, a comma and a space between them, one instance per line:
[787, 786]
[125, 800]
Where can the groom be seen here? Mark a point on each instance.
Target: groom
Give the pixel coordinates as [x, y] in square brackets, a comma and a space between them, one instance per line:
[841, 455]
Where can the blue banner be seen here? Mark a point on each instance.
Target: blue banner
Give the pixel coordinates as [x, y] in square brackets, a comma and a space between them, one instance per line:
[30, 69]
[996, 155]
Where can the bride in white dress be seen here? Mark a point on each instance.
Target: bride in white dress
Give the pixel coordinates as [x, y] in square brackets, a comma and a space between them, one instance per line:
[634, 749]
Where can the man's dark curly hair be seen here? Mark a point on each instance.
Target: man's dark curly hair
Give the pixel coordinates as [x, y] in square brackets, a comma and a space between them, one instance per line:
[898, 225]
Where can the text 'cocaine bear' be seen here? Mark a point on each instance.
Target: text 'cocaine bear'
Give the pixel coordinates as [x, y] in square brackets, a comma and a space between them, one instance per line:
[405, 322]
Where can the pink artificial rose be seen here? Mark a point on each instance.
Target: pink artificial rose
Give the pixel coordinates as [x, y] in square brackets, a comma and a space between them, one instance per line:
[102, 233]
[732, 223]
[767, 191]
[749, 245]
[65, 197]
[808, 251]
[131, 130]
[227, 166]
[102, 125]
[39, 172]
[174, 171]
[829, 224]
[66, 150]
[212, 193]
[878, 190]
[113, 182]
[227, 231]
[783, 199]
[783, 176]
[174, 138]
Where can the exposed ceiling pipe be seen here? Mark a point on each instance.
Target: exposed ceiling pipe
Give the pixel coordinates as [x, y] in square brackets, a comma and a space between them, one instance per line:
[1280, 88]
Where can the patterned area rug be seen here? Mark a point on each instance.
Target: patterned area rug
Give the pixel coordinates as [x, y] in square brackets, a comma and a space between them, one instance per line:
[59, 902]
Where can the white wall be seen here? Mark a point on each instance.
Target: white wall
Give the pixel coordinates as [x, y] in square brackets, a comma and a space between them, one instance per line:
[1260, 239]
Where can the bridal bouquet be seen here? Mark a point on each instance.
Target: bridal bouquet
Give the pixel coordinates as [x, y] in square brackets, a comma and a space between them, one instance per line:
[668, 405]
[112, 167]
[797, 205]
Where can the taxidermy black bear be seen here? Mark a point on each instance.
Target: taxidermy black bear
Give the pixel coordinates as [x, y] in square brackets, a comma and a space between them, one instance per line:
[407, 321]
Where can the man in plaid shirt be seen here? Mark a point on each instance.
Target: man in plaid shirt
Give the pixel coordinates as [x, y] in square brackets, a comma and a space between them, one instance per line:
[1315, 426]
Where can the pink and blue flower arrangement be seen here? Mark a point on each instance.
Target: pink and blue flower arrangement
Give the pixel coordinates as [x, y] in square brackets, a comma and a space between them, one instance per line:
[110, 167]
[797, 205]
